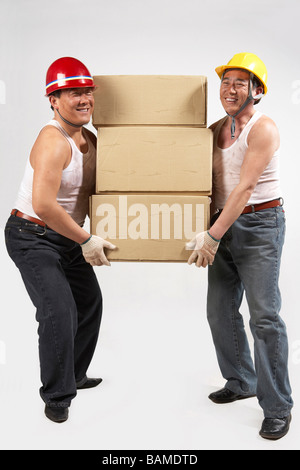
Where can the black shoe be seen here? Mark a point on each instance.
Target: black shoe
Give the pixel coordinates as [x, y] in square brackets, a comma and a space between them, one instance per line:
[57, 414]
[89, 383]
[275, 428]
[227, 396]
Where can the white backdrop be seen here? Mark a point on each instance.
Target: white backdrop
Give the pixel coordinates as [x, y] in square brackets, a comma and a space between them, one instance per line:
[155, 352]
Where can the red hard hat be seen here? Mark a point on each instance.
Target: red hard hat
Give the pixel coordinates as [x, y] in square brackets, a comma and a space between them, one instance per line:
[67, 72]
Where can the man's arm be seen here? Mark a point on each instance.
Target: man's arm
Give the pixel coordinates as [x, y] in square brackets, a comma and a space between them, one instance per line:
[50, 155]
[263, 141]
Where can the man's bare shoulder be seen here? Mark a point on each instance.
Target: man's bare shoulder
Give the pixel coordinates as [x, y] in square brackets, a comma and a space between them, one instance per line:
[50, 144]
[264, 133]
[264, 126]
[51, 133]
[52, 140]
[266, 122]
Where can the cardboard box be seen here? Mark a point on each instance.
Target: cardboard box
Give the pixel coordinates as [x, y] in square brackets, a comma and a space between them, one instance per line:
[149, 227]
[154, 159]
[171, 100]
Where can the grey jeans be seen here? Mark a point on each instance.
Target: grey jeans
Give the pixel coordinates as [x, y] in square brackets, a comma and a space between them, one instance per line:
[248, 260]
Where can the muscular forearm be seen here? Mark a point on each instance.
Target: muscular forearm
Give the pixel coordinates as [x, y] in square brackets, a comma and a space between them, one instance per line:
[232, 210]
[59, 220]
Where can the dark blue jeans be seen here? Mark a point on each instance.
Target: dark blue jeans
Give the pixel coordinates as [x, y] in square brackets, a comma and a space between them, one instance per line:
[68, 301]
[248, 261]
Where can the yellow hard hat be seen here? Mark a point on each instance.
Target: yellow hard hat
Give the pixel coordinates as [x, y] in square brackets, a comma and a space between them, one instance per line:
[249, 62]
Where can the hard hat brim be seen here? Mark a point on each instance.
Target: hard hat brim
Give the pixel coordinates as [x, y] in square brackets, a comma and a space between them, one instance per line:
[72, 82]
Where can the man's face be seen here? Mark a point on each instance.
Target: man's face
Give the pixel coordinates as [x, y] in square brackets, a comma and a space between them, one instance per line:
[76, 105]
[234, 90]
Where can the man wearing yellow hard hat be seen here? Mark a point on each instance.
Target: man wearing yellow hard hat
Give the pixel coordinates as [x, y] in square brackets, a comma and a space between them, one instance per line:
[243, 248]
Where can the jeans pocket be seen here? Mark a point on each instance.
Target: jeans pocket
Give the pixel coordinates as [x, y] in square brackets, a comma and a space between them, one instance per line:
[267, 217]
[32, 229]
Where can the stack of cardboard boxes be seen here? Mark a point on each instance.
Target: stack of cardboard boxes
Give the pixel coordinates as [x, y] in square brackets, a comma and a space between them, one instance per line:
[154, 165]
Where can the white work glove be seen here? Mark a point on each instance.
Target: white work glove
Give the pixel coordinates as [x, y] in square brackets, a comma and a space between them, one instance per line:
[205, 248]
[93, 250]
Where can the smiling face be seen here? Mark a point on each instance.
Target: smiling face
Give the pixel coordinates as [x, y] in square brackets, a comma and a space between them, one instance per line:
[234, 90]
[75, 104]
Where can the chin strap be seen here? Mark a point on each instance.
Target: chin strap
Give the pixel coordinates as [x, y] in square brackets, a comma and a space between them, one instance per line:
[248, 100]
[233, 116]
[68, 122]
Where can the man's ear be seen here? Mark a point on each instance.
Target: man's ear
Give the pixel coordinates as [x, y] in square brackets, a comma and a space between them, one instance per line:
[258, 91]
[53, 101]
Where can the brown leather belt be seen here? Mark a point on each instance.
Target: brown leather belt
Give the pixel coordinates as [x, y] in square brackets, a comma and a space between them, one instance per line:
[27, 217]
[263, 205]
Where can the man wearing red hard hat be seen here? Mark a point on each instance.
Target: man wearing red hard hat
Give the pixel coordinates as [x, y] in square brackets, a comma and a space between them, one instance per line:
[46, 239]
[243, 248]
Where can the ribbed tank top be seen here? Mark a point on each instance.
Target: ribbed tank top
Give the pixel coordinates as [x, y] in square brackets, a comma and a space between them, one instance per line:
[77, 183]
[227, 167]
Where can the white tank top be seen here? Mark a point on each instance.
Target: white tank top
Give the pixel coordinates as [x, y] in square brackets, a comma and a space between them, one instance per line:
[77, 182]
[227, 166]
